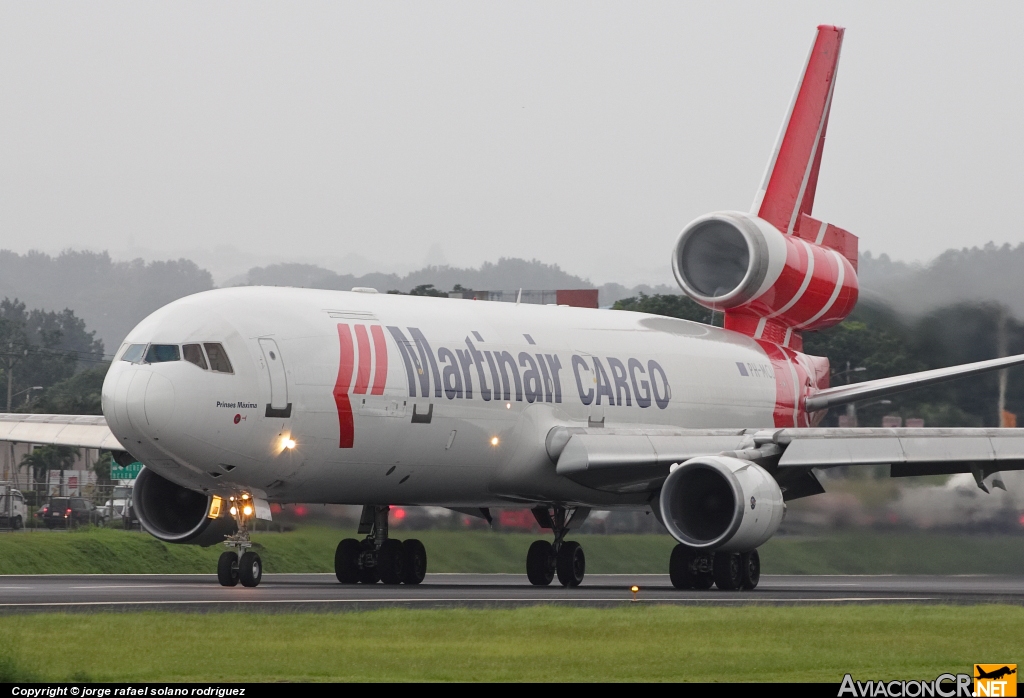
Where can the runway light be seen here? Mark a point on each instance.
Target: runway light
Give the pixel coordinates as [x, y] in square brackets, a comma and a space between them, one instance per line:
[634, 589]
[234, 511]
[247, 510]
[494, 441]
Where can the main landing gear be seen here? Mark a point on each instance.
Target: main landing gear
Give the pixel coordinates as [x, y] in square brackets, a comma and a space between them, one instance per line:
[377, 557]
[563, 557]
[690, 568]
[243, 566]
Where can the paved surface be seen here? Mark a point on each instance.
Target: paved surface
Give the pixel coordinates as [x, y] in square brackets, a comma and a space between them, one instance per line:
[290, 592]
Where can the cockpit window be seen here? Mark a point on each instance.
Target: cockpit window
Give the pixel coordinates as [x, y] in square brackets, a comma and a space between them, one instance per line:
[133, 354]
[218, 357]
[159, 353]
[193, 353]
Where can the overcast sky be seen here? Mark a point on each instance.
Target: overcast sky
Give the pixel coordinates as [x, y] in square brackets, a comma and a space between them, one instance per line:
[377, 136]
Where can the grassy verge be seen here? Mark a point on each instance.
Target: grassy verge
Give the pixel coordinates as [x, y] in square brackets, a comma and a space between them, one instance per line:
[312, 550]
[637, 642]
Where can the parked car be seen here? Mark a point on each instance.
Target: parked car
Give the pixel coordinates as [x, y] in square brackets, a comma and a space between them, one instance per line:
[12, 509]
[67, 512]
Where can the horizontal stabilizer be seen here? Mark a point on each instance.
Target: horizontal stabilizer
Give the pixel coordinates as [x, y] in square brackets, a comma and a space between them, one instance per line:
[844, 394]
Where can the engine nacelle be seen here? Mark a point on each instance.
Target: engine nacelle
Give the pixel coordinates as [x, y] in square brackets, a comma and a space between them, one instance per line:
[721, 503]
[739, 263]
[176, 514]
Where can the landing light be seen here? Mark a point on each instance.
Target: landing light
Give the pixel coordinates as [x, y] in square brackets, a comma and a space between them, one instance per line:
[494, 441]
[289, 443]
[508, 405]
[247, 510]
[234, 511]
[245, 496]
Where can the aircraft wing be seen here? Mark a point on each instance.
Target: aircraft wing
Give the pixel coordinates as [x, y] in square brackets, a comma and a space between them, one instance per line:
[59, 430]
[635, 460]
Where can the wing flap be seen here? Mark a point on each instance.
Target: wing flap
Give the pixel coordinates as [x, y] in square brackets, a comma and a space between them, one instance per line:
[59, 430]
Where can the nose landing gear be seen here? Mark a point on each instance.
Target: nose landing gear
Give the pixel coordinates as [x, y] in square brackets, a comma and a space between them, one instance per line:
[565, 558]
[239, 563]
[690, 568]
[377, 557]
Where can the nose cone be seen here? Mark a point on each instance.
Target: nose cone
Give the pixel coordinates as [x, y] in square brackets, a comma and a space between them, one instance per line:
[138, 402]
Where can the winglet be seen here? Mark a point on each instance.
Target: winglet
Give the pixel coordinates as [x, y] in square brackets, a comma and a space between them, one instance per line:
[790, 180]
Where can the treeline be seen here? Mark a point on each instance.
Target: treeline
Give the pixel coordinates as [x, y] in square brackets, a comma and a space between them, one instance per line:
[876, 342]
[41, 350]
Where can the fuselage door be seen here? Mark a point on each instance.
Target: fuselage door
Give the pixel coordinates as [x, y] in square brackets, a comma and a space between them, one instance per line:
[279, 405]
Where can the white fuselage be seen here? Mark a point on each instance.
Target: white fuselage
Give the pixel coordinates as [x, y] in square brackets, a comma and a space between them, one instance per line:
[375, 398]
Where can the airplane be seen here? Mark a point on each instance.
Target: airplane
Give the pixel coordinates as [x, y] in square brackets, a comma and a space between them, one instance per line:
[239, 397]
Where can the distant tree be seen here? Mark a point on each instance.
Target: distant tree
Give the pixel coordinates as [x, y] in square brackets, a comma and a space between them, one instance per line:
[669, 305]
[79, 394]
[427, 290]
[46, 458]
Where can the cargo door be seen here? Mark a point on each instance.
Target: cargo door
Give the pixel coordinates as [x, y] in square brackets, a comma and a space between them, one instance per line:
[272, 359]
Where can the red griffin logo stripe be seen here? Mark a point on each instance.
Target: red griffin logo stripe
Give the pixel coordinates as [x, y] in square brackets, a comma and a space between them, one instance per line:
[375, 361]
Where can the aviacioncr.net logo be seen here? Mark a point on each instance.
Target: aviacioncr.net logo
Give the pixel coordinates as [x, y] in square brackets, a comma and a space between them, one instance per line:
[943, 686]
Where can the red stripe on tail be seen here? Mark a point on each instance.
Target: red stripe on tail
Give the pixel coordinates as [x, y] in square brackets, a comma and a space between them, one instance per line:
[380, 347]
[792, 176]
[345, 426]
[363, 377]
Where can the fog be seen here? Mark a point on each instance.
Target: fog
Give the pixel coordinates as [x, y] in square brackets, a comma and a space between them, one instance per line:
[379, 137]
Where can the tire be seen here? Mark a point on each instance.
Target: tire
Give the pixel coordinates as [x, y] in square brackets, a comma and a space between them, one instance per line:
[680, 567]
[227, 569]
[391, 561]
[346, 561]
[571, 564]
[250, 569]
[727, 572]
[750, 569]
[369, 574]
[539, 568]
[18, 523]
[415, 561]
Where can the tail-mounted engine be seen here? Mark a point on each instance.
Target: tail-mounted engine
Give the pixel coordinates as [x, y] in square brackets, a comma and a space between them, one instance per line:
[721, 503]
[770, 285]
[176, 514]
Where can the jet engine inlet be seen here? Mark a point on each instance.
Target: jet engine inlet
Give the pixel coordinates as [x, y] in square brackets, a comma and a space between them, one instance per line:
[722, 503]
[176, 514]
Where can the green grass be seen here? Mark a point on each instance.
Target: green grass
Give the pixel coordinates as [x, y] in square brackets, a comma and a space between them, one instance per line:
[543, 643]
[312, 550]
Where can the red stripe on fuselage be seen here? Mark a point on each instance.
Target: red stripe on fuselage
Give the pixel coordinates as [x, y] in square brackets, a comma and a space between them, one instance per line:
[380, 348]
[363, 376]
[790, 377]
[345, 426]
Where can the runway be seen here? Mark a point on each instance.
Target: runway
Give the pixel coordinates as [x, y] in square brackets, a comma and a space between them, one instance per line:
[319, 592]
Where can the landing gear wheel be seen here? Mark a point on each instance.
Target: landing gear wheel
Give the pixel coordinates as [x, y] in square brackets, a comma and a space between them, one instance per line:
[681, 567]
[227, 569]
[539, 563]
[367, 574]
[703, 565]
[346, 561]
[391, 562]
[250, 569]
[750, 568]
[415, 563]
[727, 572]
[571, 564]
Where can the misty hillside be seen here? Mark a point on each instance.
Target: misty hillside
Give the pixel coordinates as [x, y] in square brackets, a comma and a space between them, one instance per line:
[976, 274]
[111, 297]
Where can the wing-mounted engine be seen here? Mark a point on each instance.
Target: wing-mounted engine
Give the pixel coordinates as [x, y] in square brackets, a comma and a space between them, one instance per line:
[721, 503]
[176, 514]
